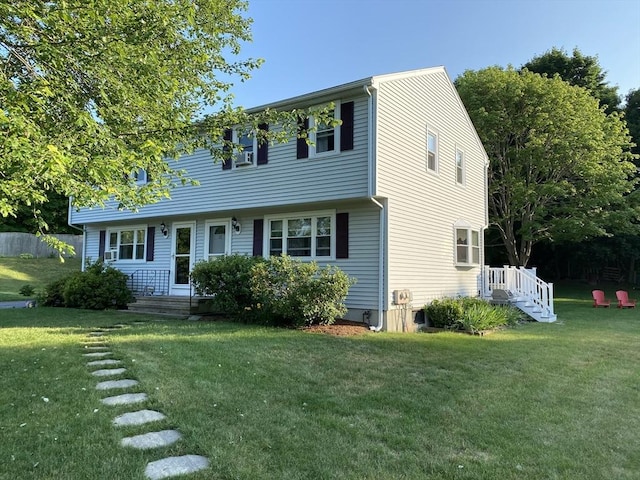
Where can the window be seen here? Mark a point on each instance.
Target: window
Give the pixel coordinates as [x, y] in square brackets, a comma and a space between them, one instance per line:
[217, 239]
[325, 137]
[307, 236]
[139, 176]
[129, 243]
[459, 167]
[467, 246]
[249, 146]
[432, 151]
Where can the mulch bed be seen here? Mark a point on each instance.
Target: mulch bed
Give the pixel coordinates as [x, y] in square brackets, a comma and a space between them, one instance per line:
[341, 328]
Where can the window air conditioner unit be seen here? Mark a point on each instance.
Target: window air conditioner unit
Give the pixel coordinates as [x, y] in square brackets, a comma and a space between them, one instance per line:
[244, 158]
[110, 255]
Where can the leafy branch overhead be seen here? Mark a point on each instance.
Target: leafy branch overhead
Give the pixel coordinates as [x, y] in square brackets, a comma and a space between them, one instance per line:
[93, 92]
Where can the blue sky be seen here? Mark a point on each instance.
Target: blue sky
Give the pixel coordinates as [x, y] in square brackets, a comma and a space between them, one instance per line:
[308, 45]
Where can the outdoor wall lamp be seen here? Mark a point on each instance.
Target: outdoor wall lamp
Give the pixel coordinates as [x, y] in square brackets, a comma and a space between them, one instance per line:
[235, 224]
[163, 229]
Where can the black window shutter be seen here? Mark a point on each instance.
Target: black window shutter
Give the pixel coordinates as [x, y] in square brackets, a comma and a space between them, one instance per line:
[227, 160]
[101, 244]
[342, 235]
[151, 242]
[346, 129]
[263, 148]
[302, 149]
[258, 230]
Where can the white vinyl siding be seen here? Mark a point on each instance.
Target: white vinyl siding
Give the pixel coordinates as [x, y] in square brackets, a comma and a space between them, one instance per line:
[423, 208]
[284, 181]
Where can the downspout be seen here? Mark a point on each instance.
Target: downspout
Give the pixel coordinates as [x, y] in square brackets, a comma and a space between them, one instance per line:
[484, 278]
[84, 235]
[373, 184]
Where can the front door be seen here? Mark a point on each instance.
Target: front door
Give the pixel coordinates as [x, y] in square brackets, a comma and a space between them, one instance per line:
[182, 257]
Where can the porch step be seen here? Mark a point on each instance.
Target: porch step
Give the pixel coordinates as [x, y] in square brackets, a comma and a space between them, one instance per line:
[163, 304]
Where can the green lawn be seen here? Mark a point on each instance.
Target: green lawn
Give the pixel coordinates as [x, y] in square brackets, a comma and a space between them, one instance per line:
[540, 401]
[15, 272]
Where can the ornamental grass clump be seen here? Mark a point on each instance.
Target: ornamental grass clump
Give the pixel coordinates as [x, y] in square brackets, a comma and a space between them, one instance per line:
[470, 314]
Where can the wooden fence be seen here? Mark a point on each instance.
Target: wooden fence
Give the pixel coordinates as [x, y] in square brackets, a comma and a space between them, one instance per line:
[13, 244]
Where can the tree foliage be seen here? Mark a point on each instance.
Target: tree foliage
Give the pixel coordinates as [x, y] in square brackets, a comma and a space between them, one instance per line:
[578, 70]
[560, 165]
[94, 91]
[632, 116]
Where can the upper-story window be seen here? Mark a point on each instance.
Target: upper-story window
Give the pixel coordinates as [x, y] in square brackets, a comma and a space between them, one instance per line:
[307, 236]
[432, 151]
[326, 140]
[139, 176]
[460, 168]
[243, 149]
[127, 243]
[248, 145]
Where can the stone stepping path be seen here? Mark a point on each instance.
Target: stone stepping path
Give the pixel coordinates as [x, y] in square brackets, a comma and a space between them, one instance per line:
[166, 467]
[97, 354]
[111, 384]
[100, 363]
[108, 371]
[172, 466]
[125, 399]
[138, 418]
[163, 438]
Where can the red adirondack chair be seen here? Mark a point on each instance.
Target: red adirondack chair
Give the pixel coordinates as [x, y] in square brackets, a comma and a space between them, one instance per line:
[599, 300]
[624, 301]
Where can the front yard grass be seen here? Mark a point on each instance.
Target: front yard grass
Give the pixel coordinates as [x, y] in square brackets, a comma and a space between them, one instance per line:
[16, 272]
[538, 401]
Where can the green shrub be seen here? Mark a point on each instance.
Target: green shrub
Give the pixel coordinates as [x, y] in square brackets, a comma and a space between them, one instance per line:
[228, 281]
[99, 287]
[26, 256]
[27, 290]
[444, 313]
[289, 292]
[53, 294]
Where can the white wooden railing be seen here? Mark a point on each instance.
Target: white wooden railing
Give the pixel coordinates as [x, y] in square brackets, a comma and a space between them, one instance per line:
[532, 295]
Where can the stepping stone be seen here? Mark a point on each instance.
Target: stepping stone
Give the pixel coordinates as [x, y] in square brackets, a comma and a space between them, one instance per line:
[137, 418]
[110, 384]
[172, 466]
[96, 354]
[97, 334]
[152, 439]
[108, 371]
[96, 347]
[100, 363]
[125, 399]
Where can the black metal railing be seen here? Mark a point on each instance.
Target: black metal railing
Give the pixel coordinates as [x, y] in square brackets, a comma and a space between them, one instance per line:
[149, 282]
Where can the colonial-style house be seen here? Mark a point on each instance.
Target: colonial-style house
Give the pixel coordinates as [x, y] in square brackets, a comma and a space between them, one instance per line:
[396, 196]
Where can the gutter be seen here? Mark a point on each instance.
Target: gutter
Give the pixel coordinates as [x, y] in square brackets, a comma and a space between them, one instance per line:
[373, 172]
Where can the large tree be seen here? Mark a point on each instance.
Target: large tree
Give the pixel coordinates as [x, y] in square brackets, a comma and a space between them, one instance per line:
[578, 70]
[91, 92]
[632, 116]
[559, 165]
